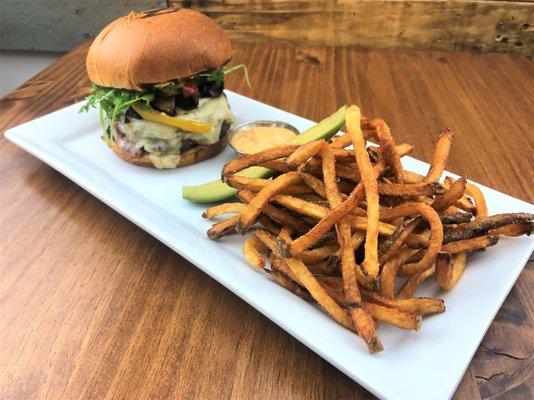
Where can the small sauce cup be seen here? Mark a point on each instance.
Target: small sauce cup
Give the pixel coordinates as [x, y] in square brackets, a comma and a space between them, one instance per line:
[247, 126]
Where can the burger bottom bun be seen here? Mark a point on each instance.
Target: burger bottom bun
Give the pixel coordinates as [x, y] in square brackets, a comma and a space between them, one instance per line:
[192, 156]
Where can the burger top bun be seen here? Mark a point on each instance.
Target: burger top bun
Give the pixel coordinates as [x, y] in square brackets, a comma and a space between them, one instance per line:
[156, 46]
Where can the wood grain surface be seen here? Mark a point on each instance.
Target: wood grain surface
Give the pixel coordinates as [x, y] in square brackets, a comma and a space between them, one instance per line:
[475, 25]
[92, 307]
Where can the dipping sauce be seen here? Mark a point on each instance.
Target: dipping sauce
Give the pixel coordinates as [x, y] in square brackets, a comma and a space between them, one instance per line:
[258, 138]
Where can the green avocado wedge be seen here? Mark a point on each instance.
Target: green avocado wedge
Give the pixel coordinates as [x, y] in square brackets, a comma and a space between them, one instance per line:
[215, 191]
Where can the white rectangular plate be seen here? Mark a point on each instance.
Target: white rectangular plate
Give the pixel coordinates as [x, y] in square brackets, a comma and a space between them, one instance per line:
[414, 365]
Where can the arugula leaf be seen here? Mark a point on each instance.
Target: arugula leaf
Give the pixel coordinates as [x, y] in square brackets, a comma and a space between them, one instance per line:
[114, 102]
[219, 74]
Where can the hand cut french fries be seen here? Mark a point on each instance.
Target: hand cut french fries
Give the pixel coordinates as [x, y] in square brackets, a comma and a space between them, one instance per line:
[341, 226]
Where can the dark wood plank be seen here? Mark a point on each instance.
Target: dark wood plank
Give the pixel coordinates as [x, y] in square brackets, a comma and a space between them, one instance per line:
[93, 307]
[474, 25]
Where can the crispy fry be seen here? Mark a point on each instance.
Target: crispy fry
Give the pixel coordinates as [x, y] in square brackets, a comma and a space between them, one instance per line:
[413, 282]
[390, 246]
[443, 146]
[319, 254]
[223, 228]
[279, 264]
[276, 165]
[414, 305]
[314, 183]
[248, 160]
[443, 268]
[387, 147]
[480, 201]
[456, 218]
[483, 225]
[284, 240]
[255, 185]
[254, 208]
[451, 196]
[464, 203]
[307, 280]
[334, 287]
[290, 284]
[449, 269]
[369, 179]
[389, 272]
[410, 189]
[268, 240]
[363, 322]
[476, 243]
[322, 268]
[280, 216]
[436, 232]
[394, 317]
[304, 152]
[269, 224]
[412, 177]
[252, 249]
[518, 229]
[225, 208]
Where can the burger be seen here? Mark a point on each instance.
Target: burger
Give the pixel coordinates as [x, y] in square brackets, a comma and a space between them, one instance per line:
[158, 80]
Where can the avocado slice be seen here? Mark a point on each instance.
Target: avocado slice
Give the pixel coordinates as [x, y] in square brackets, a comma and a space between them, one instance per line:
[215, 191]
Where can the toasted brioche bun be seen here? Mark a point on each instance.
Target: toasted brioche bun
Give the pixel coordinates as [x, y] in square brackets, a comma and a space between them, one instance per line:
[193, 156]
[156, 46]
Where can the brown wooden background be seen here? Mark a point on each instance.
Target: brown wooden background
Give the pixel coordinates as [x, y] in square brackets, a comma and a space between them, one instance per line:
[473, 25]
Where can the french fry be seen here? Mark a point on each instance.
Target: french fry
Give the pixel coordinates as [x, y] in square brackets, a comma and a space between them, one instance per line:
[394, 317]
[284, 240]
[369, 179]
[410, 189]
[276, 165]
[441, 154]
[286, 282]
[319, 254]
[389, 272]
[255, 185]
[363, 322]
[313, 183]
[223, 228]
[322, 268]
[413, 305]
[269, 224]
[451, 196]
[455, 218]
[513, 230]
[411, 284]
[436, 232]
[221, 209]
[248, 160]
[397, 238]
[252, 249]
[280, 216]
[387, 147]
[476, 243]
[254, 208]
[480, 201]
[307, 280]
[279, 264]
[304, 152]
[449, 269]
[481, 226]
[464, 203]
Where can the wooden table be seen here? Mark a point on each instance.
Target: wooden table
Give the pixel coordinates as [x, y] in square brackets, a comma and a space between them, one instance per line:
[94, 307]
